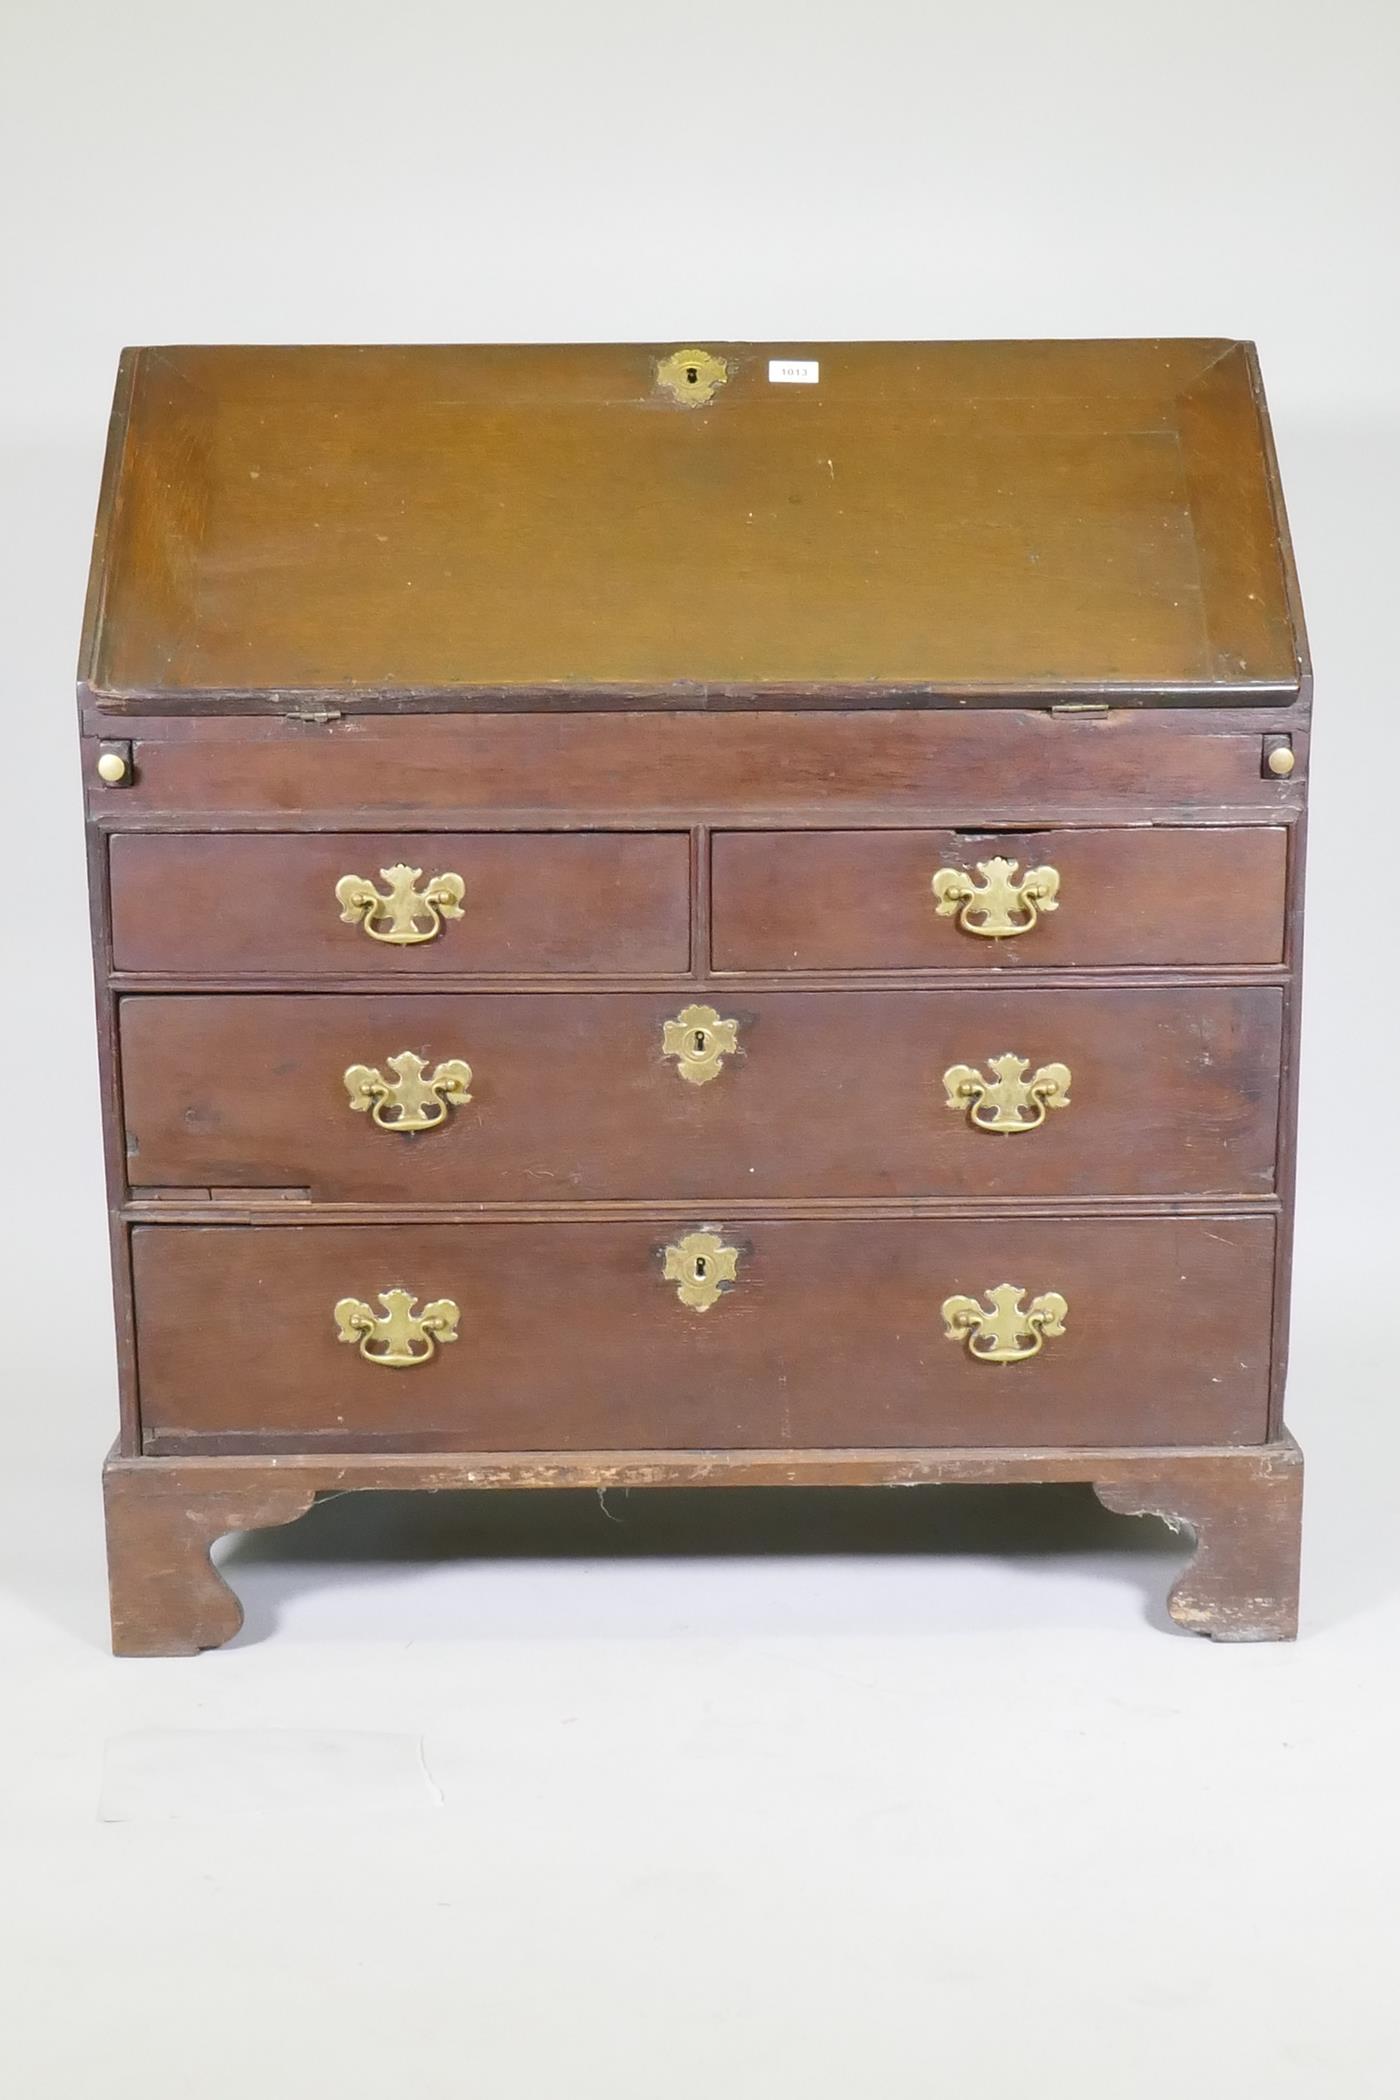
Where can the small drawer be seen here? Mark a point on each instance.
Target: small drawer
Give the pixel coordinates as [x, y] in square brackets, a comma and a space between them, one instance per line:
[952, 900]
[569, 1096]
[415, 904]
[682, 1331]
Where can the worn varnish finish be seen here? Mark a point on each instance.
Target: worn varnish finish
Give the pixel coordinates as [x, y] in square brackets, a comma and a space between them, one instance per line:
[536, 517]
[873, 767]
[860, 900]
[828, 1094]
[696, 702]
[571, 1337]
[548, 903]
[1241, 1507]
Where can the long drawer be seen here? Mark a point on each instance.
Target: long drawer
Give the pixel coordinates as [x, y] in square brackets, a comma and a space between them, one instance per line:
[685, 1332]
[416, 904]
[689, 760]
[436, 1097]
[951, 900]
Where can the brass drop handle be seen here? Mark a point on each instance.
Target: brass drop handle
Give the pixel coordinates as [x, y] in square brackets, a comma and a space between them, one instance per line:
[1009, 1101]
[1001, 1331]
[409, 1102]
[998, 906]
[398, 1337]
[699, 1041]
[698, 1265]
[407, 915]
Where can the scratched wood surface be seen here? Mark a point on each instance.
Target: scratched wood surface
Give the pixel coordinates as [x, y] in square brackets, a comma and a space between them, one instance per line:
[544, 903]
[860, 900]
[696, 701]
[1008, 515]
[828, 1094]
[831, 1334]
[1240, 1510]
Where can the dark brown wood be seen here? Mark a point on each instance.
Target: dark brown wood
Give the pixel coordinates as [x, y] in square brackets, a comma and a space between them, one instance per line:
[548, 902]
[166, 1596]
[696, 707]
[1242, 1581]
[1288, 1120]
[1243, 1508]
[1008, 516]
[831, 1094]
[918, 766]
[831, 1334]
[857, 900]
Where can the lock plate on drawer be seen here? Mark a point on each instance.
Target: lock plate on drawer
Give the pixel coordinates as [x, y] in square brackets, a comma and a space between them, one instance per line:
[699, 1041]
[698, 1265]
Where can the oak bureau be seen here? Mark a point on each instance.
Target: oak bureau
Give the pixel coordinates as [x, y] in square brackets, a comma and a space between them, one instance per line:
[696, 914]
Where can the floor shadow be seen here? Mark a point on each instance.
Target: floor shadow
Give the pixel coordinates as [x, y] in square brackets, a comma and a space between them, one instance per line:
[1022, 1524]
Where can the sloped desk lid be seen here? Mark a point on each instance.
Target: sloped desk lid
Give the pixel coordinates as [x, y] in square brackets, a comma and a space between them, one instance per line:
[918, 523]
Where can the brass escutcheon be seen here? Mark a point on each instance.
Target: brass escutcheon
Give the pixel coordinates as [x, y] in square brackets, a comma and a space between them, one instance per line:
[1000, 1332]
[699, 1041]
[407, 915]
[1000, 905]
[399, 1337]
[698, 1265]
[1010, 1101]
[691, 376]
[409, 1102]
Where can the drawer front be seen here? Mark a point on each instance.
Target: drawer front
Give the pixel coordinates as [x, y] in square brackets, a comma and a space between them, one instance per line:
[691, 760]
[866, 900]
[573, 1335]
[512, 904]
[571, 1096]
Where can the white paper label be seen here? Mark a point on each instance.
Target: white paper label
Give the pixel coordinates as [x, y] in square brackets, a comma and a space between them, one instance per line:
[793, 371]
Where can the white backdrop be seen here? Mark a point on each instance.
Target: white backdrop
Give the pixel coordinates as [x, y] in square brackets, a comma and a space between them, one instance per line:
[783, 1823]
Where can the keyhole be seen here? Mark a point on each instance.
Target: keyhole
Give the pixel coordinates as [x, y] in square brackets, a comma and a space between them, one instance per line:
[702, 1041]
[701, 1264]
[692, 376]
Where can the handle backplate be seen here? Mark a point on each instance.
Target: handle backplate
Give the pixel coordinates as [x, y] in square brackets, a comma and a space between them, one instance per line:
[1008, 1101]
[398, 1337]
[1004, 1330]
[407, 915]
[998, 906]
[409, 1102]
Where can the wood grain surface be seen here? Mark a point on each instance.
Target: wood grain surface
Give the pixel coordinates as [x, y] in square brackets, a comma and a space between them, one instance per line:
[862, 900]
[696, 701]
[1011, 515]
[687, 765]
[831, 1334]
[1241, 1509]
[550, 902]
[830, 1094]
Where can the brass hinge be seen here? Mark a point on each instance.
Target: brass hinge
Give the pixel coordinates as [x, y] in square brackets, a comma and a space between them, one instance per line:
[1080, 707]
[319, 715]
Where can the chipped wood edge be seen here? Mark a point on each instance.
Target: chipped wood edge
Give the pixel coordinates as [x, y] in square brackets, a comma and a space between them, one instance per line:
[1243, 1511]
[167, 1597]
[1242, 1505]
